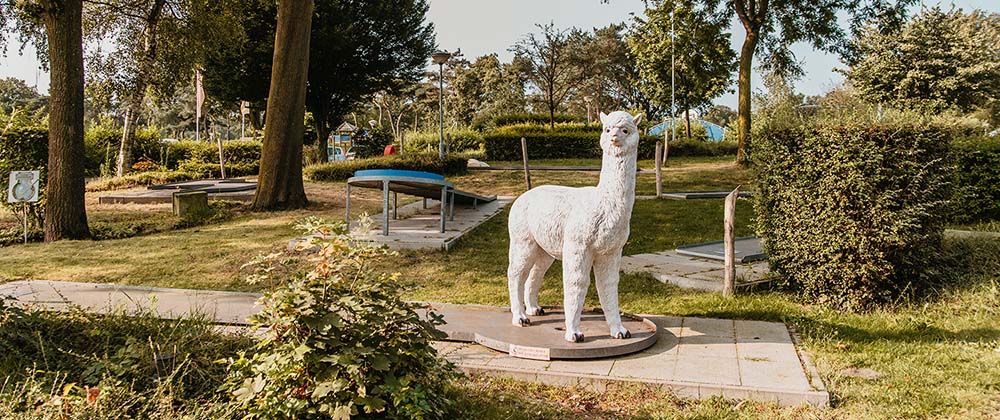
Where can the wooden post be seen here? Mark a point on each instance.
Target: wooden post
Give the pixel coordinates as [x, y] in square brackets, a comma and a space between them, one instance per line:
[659, 172]
[447, 143]
[402, 143]
[222, 160]
[524, 155]
[666, 151]
[729, 279]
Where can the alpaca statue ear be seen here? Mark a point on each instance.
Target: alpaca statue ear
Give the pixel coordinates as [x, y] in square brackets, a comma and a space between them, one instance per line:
[604, 118]
[636, 118]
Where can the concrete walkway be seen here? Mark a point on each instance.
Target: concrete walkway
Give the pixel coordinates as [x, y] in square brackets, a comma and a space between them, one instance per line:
[691, 273]
[693, 357]
[416, 227]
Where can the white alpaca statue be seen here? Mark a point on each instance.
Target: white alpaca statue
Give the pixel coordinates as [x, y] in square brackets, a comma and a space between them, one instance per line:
[585, 228]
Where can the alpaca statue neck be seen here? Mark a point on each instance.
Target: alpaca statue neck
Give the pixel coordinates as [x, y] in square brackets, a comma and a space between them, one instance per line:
[618, 177]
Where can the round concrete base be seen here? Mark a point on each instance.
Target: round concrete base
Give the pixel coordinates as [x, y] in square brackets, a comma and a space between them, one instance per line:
[544, 338]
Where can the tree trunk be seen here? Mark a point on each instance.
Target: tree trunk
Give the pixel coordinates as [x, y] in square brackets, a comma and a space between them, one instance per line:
[279, 185]
[139, 93]
[743, 107]
[124, 162]
[322, 136]
[65, 209]
[687, 117]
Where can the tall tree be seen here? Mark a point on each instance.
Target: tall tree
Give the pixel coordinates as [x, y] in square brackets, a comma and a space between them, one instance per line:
[279, 185]
[157, 44]
[360, 48]
[774, 25]
[939, 60]
[15, 93]
[65, 209]
[550, 64]
[703, 60]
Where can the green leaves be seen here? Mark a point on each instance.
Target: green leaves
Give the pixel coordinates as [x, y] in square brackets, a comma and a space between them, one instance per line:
[338, 338]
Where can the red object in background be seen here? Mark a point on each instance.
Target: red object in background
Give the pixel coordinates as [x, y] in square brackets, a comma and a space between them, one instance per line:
[389, 150]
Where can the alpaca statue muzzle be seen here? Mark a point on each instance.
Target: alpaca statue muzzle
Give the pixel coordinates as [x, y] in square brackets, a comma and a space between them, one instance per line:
[586, 228]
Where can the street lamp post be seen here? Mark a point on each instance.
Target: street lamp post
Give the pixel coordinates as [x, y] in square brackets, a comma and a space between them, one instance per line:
[440, 58]
[587, 99]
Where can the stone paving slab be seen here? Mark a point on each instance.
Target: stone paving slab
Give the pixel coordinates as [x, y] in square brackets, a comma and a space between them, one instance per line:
[416, 227]
[693, 357]
[689, 272]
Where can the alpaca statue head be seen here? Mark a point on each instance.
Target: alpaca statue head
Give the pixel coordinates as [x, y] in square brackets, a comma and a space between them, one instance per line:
[620, 136]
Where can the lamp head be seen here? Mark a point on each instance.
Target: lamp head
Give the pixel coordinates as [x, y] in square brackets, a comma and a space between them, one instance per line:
[440, 57]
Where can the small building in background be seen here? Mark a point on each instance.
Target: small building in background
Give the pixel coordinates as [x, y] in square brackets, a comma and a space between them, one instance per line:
[341, 141]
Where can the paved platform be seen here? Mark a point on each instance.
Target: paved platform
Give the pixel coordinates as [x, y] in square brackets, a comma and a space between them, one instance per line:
[692, 273]
[416, 227]
[217, 189]
[692, 357]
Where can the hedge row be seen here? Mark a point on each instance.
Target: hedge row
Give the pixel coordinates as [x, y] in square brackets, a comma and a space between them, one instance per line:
[101, 146]
[505, 144]
[977, 196]
[340, 171]
[238, 152]
[461, 141]
[853, 215]
[139, 179]
[24, 148]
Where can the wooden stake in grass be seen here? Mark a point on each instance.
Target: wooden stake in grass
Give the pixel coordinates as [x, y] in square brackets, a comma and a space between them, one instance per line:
[524, 155]
[659, 172]
[729, 278]
[447, 143]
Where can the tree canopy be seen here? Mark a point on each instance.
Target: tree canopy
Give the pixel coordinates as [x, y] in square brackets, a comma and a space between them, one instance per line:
[937, 61]
[703, 59]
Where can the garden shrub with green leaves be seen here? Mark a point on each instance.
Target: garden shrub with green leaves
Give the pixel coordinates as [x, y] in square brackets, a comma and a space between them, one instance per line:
[462, 140]
[82, 365]
[977, 178]
[24, 146]
[853, 215]
[339, 171]
[371, 142]
[341, 342]
[101, 144]
[573, 140]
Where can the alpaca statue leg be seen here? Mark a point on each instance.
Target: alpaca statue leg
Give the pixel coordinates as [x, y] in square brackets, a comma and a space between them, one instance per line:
[606, 277]
[522, 257]
[534, 284]
[577, 264]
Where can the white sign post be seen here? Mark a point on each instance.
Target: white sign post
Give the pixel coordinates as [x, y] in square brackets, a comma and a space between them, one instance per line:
[23, 188]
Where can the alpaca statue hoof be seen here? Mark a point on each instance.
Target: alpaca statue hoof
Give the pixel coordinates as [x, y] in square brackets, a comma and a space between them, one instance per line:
[574, 337]
[536, 312]
[523, 322]
[623, 335]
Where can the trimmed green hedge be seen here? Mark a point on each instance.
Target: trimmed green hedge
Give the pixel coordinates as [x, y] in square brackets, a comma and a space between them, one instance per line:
[101, 144]
[978, 178]
[462, 140]
[24, 146]
[582, 141]
[853, 215]
[138, 179]
[340, 171]
[238, 152]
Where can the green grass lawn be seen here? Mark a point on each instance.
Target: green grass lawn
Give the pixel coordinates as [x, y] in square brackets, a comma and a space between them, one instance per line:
[937, 358]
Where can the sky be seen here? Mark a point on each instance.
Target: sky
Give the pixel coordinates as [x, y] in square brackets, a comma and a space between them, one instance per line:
[480, 27]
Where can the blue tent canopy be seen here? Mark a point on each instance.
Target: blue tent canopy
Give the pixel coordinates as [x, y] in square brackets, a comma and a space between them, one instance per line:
[715, 132]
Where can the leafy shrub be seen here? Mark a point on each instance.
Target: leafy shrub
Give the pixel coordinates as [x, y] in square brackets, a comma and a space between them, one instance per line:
[341, 342]
[371, 142]
[462, 140]
[144, 166]
[80, 365]
[977, 162]
[102, 142]
[139, 179]
[852, 215]
[526, 118]
[24, 146]
[340, 171]
[237, 152]
[581, 141]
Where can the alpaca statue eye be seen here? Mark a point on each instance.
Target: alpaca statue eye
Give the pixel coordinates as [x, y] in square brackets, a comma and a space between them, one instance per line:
[625, 131]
